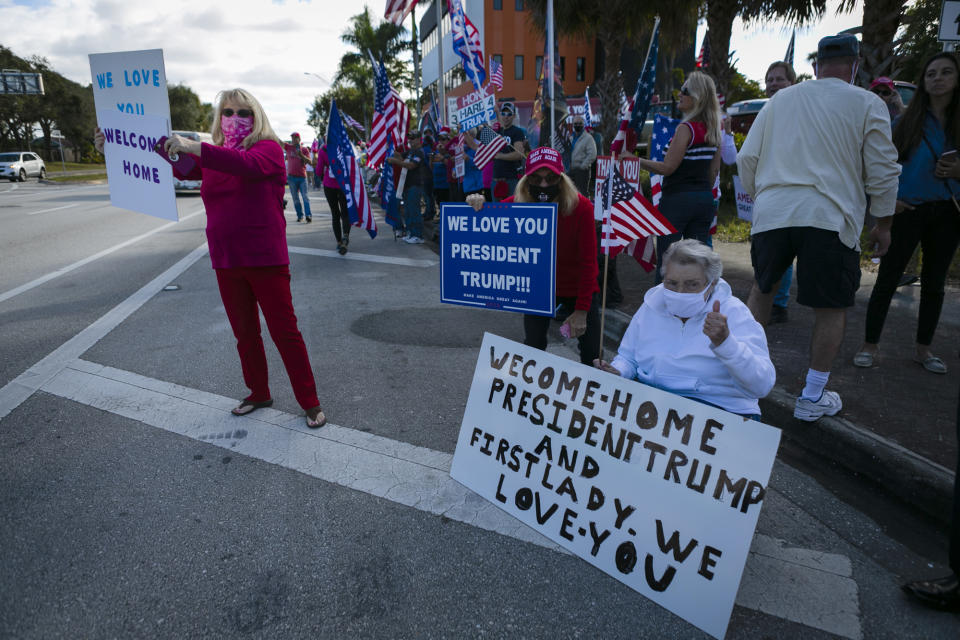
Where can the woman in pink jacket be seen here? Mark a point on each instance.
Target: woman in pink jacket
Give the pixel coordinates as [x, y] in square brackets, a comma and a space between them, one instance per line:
[243, 177]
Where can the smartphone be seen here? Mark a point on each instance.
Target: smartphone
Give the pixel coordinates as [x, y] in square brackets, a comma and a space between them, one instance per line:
[949, 156]
[183, 163]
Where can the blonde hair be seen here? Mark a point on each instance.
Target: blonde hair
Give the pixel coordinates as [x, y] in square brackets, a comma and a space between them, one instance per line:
[567, 200]
[706, 107]
[261, 124]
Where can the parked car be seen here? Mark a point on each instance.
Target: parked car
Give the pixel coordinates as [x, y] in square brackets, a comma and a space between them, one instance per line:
[186, 186]
[743, 113]
[20, 165]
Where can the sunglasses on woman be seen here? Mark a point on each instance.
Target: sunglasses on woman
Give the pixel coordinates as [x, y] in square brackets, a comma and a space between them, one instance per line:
[243, 113]
[684, 91]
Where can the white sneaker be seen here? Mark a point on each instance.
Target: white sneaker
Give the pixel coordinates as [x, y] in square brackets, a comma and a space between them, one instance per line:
[413, 240]
[829, 404]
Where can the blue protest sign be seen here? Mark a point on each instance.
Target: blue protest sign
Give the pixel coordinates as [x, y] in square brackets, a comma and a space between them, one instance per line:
[501, 257]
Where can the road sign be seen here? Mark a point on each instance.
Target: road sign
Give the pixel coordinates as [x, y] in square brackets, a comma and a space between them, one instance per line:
[20, 83]
[950, 22]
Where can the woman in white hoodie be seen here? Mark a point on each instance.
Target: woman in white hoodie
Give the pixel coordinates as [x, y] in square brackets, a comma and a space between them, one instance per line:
[692, 337]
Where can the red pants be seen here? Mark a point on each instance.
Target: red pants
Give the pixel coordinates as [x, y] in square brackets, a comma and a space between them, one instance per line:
[242, 289]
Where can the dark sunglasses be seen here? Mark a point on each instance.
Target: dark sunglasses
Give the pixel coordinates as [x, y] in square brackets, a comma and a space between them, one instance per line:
[684, 91]
[243, 113]
[506, 112]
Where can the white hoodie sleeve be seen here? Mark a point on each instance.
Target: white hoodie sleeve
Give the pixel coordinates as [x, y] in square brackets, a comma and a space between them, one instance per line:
[744, 353]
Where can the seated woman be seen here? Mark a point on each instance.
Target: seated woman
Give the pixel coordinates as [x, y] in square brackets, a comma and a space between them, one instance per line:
[692, 337]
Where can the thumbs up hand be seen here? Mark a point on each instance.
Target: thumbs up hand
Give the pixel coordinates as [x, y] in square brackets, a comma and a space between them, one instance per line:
[715, 325]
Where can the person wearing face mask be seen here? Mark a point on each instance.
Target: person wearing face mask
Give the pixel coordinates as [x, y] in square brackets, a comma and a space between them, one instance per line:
[693, 337]
[244, 176]
[813, 154]
[576, 275]
[582, 157]
[297, 162]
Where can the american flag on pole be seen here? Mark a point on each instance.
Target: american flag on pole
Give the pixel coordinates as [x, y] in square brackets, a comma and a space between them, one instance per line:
[496, 74]
[788, 57]
[390, 118]
[630, 216]
[351, 122]
[703, 60]
[397, 10]
[490, 145]
[467, 44]
[640, 105]
[346, 170]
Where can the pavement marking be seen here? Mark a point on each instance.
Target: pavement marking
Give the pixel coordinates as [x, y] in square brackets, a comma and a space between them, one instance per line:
[12, 188]
[66, 206]
[23, 386]
[809, 587]
[366, 257]
[76, 265]
[51, 191]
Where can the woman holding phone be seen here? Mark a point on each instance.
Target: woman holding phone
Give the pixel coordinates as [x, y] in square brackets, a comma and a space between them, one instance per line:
[926, 137]
[244, 177]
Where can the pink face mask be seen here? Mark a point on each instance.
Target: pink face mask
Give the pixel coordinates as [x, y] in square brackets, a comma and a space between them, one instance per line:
[235, 129]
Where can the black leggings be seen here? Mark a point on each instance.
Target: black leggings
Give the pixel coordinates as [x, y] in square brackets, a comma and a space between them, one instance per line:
[936, 226]
[535, 329]
[340, 214]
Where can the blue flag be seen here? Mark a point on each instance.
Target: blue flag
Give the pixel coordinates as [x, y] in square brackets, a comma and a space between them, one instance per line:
[388, 193]
[346, 170]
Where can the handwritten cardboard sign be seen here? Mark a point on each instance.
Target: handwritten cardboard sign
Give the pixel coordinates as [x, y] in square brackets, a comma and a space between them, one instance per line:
[658, 491]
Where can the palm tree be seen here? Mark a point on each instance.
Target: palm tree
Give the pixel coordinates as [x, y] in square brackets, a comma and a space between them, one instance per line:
[881, 20]
[385, 41]
[614, 23]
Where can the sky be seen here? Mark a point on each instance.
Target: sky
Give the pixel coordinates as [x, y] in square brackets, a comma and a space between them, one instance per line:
[272, 47]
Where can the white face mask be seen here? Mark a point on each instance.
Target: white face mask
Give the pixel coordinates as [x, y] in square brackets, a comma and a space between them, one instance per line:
[685, 305]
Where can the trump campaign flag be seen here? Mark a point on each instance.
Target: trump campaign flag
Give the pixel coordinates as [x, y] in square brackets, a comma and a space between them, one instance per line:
[346, 170]
[388, 193]
[467, 44]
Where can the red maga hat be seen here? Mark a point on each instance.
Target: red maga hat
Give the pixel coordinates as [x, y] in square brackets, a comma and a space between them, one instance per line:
[544, 157]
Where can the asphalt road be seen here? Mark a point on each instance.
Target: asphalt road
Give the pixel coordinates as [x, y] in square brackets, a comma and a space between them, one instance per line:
[134, 506]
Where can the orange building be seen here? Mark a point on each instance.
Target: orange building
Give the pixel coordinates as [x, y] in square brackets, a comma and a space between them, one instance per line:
[510, 38]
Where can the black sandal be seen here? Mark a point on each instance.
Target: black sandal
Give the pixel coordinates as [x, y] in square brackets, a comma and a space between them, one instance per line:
[317, 420]
[247, 407]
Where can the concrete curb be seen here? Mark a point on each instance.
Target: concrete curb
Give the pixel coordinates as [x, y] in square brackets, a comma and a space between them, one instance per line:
[904, 473]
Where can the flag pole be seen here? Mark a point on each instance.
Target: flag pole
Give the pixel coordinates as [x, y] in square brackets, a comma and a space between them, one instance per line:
[553, 64]
[605, 220]
[443, 92]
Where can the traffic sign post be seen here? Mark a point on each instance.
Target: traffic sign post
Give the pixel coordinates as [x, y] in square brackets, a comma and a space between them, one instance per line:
[950, 21]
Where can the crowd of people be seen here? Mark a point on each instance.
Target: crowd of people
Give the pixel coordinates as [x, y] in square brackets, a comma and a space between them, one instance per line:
[863, 158]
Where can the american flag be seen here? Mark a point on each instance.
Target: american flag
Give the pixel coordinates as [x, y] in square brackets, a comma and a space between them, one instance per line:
[346, 170]
[703, 60]
[467, 44]
[397, 10]
[490, 145]
[788, 57]
[351, 122]
[640, 105]
[630, 216]
[390, 118]
[663, 130]
[496, 74]
[388, 193]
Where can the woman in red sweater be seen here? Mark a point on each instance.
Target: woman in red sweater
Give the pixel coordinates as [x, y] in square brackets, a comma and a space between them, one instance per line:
[243, 177]
[577, 289]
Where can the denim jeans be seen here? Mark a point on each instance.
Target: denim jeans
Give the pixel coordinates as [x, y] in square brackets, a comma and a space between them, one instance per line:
[413, 219]
[298, 188]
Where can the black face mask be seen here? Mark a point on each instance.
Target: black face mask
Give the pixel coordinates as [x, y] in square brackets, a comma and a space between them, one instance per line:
[545, 194]
[578, 128]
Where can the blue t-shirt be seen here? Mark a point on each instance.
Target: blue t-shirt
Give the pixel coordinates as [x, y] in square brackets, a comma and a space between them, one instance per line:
[917, 180]
[472, 177]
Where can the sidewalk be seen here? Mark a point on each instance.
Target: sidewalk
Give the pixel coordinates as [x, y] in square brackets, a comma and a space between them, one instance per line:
[897, 423]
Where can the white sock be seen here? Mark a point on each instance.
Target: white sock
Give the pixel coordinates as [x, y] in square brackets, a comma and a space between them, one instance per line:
[816, 381]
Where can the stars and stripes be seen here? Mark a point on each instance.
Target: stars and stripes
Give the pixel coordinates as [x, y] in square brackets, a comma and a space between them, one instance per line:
[788, 56]
[629, 217]
[351, 122]
[467, 44]
[496, 74]
[640, 105]
[397, 10]
[703, 60]
[663, 130]
[490, 145]
[390, 118]
[346, 170]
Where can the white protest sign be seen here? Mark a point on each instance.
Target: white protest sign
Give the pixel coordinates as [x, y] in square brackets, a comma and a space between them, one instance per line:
[475, 109]
[744, 200]
[140, 180]
[452, 113]
[133, 82]
[660, 492]
[629, 169]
